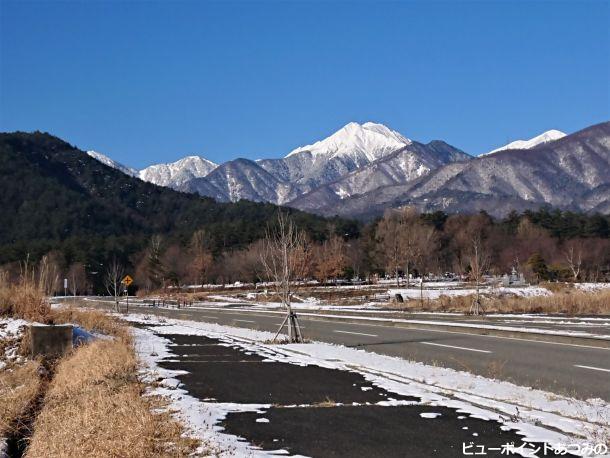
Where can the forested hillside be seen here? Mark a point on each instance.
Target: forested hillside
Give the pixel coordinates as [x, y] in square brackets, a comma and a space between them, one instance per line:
[54, 197]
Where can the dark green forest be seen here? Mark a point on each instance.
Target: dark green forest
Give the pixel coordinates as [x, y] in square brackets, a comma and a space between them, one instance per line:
[56, 198]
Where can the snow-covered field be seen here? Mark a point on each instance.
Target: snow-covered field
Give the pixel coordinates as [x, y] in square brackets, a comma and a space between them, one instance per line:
[539, 415]
[592, 286]
[434, 292]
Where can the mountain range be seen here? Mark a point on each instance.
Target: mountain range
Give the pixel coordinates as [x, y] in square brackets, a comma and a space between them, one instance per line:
[362, 169]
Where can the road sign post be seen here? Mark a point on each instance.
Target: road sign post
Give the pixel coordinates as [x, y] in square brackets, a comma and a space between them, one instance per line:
[127, 280]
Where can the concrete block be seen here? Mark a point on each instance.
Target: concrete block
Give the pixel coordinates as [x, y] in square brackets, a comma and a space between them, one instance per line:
[50, 340]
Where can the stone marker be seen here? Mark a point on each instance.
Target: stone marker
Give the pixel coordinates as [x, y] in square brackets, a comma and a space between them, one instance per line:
[50, 340]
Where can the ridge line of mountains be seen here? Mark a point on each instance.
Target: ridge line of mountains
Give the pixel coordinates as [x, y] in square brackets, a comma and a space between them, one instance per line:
[362, 169]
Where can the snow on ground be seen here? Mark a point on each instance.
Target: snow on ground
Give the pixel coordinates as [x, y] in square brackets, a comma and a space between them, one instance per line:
[434, 293]
[10, 330]
[200, 417]
[592, 286]
[540, 416]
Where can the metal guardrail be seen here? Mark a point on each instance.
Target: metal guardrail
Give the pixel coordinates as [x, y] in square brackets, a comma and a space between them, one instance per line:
[169, 303]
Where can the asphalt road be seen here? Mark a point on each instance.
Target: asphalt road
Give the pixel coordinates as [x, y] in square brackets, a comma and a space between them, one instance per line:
[569, 369]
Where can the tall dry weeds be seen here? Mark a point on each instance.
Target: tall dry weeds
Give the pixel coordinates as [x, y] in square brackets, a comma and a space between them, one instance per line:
[18, 389]
[95, 407]
[26, 298]
[567, 301]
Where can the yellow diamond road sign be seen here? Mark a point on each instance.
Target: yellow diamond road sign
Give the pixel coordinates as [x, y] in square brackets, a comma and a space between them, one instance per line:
[127, 280]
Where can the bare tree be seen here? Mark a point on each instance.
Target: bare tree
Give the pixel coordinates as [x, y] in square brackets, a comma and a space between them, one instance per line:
[48, 275]
[77, 278]
[479, 263]
[282, 259]
[389, 234]
[202, 257]
[573, 256]
[154, 263]
[418, 239]
[331, 259]
[113, 282]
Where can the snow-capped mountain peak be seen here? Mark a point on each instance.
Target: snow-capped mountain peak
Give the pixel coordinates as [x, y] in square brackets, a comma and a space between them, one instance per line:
[112, 163]
[176, 173]
[384, 130]
[545, 137]
[368, 141]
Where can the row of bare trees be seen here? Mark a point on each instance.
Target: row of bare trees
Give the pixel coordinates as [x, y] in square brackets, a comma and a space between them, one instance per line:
[404, 241]
[402, 244]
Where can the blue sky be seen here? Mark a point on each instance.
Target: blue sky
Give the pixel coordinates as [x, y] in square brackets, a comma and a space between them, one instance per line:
[148, 82]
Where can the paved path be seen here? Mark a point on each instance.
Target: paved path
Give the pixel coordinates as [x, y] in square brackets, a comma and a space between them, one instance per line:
[570, 369]
[340, 409]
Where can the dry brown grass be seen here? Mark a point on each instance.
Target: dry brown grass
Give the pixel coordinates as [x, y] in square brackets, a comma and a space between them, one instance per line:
[95, 407]
[19, 387]
[569, 301]
[24, 299]
[93, 321]
[95, 404]
[557, 287]
[326, 403]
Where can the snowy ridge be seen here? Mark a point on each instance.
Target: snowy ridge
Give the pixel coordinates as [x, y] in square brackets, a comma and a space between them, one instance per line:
[112, 163]
[179, 172]
[352, 148]
[369, 140]
[545, 137]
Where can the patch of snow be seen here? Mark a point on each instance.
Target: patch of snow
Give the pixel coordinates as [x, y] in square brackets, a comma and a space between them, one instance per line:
[429, 415]
[112, 163]
[430, 293]
[592, 286]
[342, 193]
[10, 330]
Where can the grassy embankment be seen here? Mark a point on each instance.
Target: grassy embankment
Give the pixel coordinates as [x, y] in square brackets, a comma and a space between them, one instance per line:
[563, 300]
[88, 403]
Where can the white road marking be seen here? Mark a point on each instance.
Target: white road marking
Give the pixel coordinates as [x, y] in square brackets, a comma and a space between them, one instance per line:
[592, 368]
[357, 333]
[453, 346]
[208, 316]
[246, 321]
[310, 317]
